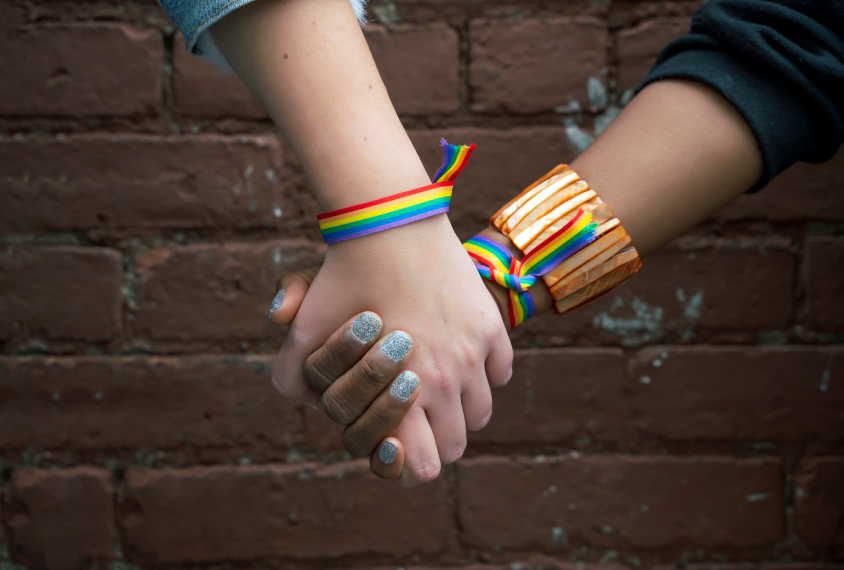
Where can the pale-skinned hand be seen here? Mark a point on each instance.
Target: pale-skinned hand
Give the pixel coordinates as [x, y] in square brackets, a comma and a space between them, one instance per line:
[341, 354]
[419, 279]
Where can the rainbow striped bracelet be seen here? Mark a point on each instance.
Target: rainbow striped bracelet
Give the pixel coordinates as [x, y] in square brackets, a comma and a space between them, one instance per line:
[398, 209]
[496, 263]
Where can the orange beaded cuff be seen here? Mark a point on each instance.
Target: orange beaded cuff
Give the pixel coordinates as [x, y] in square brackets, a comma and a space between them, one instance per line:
[548, 205]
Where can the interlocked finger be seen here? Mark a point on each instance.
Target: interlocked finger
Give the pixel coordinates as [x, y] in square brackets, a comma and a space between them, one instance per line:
[342, 351]
[347, 398]
[383, 417]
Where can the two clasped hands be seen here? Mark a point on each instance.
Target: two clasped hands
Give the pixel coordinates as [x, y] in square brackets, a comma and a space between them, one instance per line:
[676, 154]
[419, 367]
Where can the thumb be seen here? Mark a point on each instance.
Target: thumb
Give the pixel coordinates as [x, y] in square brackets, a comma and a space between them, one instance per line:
[290, 292]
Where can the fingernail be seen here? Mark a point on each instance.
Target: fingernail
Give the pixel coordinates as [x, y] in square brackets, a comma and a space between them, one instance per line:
[387, 454]
[404, 385]
[277, 300]
[366, 327]
[396, 346]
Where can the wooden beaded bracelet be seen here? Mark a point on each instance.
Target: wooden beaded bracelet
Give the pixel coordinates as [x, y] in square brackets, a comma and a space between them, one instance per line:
[561, 218]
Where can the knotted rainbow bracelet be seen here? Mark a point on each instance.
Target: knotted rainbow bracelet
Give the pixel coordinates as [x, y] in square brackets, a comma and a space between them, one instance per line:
[398, 209]
[496, 263]
[570, 239]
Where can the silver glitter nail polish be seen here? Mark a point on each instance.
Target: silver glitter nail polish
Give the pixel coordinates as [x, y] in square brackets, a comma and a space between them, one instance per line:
[388, 453]
[404, 385]
[277, 300]
[396, 346]
[366, 327]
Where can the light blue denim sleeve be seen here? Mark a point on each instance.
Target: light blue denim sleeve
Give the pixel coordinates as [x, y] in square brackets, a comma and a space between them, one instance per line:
[194, 17]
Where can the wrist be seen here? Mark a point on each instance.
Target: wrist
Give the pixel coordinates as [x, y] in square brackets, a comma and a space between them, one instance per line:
[402, 246]
[541, 295]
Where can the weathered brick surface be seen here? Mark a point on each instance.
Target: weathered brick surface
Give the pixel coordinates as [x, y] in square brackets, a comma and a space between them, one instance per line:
[620, 501]
[213, 292]
[536, 562]
[558, 395]
[88, 69]
[637, 48]
[419, 66]
[201, 89]
[824, 282]
[803, 192]
[505, 162]
[682, 291]
[758, 566]
[279, 511]
[95, 402]
[60, 518]
[139, 181]
[819, 503]
[111, 135]
[60, 292]
[735, 393]
[534, 65]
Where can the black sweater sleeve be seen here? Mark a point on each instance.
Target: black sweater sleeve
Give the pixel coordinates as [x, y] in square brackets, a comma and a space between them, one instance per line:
[781, 65]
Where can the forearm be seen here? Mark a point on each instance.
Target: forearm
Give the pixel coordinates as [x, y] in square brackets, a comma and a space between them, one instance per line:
[675, 155]
[309, 65]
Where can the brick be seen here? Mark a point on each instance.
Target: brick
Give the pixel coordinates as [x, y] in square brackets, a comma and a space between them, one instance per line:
[746, 393]
[300, 511]
[201, 89]
[533, 65]
[96, 403]
[61, 292]
[619, 502]
[637, 48]
[505, 162]
[536, 562]
[139, 181]
[823, 305]
[556, 395]
[688, 289]
[60, 518]
[419, 66]
[81, 70]
[214, 292]
[819, 503]
[757, 566]
[803, 192]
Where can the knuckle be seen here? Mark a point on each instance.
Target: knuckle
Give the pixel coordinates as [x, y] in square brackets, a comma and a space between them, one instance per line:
[354, 444]
[455, 453]
[371, 375]
[281, 386]
[484, 420]
[469, 357]
[335, 409]
[314, 376]
[445, 384]
[427, 470]
[381, 420]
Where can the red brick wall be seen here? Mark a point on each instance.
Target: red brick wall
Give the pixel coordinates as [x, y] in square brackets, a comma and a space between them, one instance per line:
[147, 205]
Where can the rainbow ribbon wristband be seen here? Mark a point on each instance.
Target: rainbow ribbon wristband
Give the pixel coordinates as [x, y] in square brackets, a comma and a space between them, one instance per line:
[398, 209]
[496, 263]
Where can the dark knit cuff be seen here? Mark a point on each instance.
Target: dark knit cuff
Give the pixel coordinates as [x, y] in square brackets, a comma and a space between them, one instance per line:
[768, 116]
